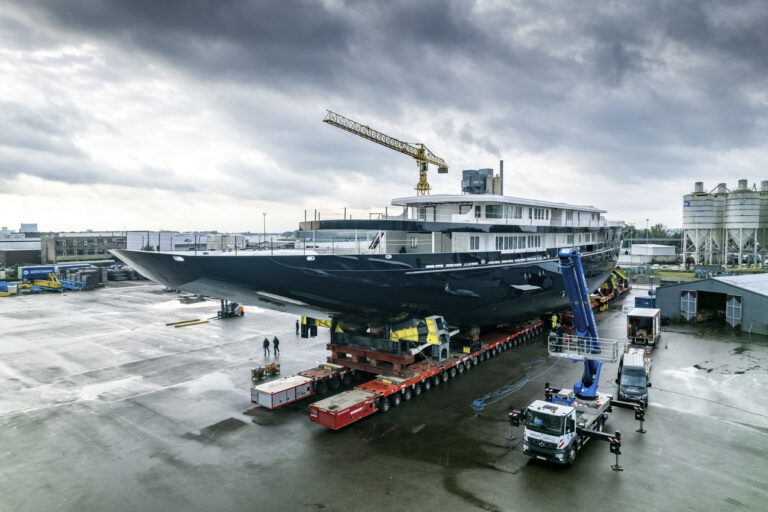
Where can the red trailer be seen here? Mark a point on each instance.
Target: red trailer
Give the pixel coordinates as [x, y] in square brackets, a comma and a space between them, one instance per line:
[384, 391]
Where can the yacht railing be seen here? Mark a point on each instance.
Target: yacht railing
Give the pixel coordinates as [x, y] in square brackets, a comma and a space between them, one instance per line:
[406, 213]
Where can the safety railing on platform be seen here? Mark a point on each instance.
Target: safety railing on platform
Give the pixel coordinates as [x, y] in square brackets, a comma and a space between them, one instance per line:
[581, 347]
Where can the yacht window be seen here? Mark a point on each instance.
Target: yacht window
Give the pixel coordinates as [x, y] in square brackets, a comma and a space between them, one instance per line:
[474, 243]
[414, 242]
[530, 213]
[493, 211]
[570, 239]
[547, 214]
[569, 215]
[507, 242]
[464, 208]
[422, 213]
[522, 243]
[478, 211]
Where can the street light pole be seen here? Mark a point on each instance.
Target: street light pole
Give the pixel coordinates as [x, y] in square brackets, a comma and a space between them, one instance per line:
[265, 229]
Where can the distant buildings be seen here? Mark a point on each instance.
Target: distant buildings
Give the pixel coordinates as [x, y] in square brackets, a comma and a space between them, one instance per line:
[80, 246]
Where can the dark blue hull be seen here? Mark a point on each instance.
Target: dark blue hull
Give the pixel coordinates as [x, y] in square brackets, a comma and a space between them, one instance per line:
[468, 289]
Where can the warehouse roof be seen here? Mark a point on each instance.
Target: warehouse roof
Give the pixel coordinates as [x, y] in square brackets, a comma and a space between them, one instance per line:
[756, 283]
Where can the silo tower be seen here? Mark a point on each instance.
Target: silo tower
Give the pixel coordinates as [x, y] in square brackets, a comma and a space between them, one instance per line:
[742, 223]
[703, 233]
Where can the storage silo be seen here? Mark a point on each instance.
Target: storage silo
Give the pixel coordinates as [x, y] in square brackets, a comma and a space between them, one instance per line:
[742, 223]
[702, 223]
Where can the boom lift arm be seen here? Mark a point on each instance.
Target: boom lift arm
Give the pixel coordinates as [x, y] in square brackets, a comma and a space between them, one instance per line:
[583, 319]
[416, 150]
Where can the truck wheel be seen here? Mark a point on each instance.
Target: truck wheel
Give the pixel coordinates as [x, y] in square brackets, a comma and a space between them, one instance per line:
[459, 368]
[475, 361]
[599, 426]
[467, 364]
[453, 372]
[407, 394]
[444, 376]
[334, 383]
[436, 380]
[483, 356]
[395, 399]
[384, 404]
[322, 387]
[427, 385]
[571, 455]
[417, 389]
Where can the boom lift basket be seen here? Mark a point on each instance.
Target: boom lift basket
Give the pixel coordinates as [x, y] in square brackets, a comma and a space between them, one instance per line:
[579, 348]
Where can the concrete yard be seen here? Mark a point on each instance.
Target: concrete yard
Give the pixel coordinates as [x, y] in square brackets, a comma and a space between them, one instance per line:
[105, 408]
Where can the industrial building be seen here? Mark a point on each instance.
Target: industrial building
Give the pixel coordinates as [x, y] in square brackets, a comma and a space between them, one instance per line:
[738, 301]
[16, 249]
[79, 246]
[641, 254]
[725, 227]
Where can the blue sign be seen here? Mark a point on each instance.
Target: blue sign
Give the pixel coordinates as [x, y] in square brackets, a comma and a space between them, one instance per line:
[33, 272]
[686, 203]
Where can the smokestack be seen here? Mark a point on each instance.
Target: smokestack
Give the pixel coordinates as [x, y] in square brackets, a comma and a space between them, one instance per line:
[501, 176]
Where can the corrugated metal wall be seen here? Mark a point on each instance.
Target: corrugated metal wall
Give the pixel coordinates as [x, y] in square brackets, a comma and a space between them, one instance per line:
[754, 306]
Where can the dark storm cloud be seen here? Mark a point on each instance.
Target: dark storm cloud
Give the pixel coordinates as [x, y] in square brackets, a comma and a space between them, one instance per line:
[619, 87]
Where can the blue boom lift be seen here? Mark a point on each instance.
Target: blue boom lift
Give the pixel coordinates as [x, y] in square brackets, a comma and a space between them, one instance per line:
[558, 427]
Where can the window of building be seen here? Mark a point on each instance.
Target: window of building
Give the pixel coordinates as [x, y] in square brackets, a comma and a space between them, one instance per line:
[547, 214]
[474, 243]
[422, 213]
[530, 213]
[570, 239]
[569, 215]
[539, 213]
[493, 211]
[478, 211]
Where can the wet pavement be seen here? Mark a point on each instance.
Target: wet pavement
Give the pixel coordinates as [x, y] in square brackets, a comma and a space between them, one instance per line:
[103, 407]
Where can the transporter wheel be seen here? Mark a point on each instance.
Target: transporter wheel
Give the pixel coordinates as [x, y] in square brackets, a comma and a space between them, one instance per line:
[407, 394]
[483, 356]
[322, 387]
[417, 389]
[436, 380]
[459, 368]
[427, 385]
[383, 404]
[599, 426]
[571, 455]
[395, 399]
[467, 364]
[475, 361]
[346, 379]
[453, 372]
[444, 376]
[357, 376]
[334, 383]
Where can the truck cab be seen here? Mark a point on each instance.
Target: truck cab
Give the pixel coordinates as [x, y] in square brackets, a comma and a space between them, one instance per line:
[549, 432]
[632, 380]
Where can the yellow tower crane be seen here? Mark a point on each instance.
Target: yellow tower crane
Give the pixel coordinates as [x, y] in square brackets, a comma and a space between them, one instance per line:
[416, 150]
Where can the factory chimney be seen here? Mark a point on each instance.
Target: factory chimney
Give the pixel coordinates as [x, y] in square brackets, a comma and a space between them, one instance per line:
[501, 177]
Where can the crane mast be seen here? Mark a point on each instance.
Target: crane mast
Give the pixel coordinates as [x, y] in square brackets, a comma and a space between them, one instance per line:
[418, 151]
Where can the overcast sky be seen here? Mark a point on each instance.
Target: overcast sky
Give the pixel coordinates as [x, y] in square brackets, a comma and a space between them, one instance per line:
[202, 115]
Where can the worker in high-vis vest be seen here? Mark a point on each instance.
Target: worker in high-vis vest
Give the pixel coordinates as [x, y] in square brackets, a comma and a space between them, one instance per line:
[554, 321]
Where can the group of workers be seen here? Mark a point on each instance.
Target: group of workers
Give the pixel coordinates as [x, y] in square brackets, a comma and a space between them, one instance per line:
[275, 344]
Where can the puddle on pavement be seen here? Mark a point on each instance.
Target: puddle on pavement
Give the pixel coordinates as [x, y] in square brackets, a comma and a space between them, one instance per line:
[266, 418]
[212, 433]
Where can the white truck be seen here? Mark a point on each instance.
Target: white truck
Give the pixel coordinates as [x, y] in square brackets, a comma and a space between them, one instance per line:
[556, 432]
